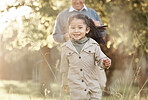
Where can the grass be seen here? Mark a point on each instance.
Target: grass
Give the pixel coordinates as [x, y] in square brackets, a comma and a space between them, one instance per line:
[16, 90]
[124, 87]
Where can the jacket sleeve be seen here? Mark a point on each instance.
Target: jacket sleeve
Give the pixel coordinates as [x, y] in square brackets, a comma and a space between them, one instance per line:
[64, 66]
[102, 78]
[99, 56]
[58, 34]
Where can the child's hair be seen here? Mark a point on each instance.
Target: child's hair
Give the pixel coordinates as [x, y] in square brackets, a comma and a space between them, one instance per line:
[93, 33]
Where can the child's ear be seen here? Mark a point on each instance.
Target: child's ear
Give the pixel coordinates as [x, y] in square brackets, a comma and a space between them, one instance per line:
[87, 29]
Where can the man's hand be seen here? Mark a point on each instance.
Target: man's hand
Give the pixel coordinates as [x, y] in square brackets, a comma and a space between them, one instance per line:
[67, 37]
[97, 23]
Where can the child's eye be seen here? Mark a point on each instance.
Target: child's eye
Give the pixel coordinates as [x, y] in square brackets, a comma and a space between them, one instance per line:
[72, 27]
[80, 27]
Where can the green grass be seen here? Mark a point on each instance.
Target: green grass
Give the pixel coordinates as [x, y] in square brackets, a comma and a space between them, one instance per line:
[16, 90]
[124, 87]
[118, 92]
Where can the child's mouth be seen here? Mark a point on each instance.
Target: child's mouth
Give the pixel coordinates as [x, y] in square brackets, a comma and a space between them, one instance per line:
[76, 35]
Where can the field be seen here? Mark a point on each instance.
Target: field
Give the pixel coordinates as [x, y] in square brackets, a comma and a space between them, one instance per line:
[16, 90]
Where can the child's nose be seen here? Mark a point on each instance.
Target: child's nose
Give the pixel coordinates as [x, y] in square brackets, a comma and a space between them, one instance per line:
[76, 30]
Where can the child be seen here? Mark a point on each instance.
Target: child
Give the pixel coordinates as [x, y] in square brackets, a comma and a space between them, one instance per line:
[80, 58]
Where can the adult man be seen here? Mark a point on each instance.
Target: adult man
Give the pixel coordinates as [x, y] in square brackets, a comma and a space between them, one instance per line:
[60, 30]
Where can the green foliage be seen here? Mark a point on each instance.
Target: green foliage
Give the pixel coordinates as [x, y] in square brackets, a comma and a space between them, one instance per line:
[36, 28]
[126, 20]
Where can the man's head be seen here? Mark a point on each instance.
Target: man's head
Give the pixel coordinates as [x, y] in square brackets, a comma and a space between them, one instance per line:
[77, 4]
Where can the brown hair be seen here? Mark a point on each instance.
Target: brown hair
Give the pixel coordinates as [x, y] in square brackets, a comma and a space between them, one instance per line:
[93, 33]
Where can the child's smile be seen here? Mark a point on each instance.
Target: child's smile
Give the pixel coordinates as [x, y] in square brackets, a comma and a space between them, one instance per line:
[76, 35]
[78, 29]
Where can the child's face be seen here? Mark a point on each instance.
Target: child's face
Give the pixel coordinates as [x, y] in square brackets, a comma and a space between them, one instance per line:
[78, 29]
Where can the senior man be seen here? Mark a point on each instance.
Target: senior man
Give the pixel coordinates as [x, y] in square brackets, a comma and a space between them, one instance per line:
[77, 6]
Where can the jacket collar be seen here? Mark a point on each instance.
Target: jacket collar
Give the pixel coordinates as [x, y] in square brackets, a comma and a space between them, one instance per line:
[70, 45]
[89, 43]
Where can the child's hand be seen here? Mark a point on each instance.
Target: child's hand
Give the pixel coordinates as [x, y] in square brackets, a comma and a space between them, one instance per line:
[65, 89]
[107, 62]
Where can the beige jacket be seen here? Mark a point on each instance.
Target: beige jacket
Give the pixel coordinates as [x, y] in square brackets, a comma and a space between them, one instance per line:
[80, 71]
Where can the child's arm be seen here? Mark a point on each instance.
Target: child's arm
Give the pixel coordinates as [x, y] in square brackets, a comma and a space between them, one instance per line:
[101, 59]
[64, 68]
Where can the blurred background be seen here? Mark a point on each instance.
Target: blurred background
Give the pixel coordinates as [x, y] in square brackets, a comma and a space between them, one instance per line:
[29, 57]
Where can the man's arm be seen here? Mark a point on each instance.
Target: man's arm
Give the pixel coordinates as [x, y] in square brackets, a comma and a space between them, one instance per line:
[99, 23]
[58, 33]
